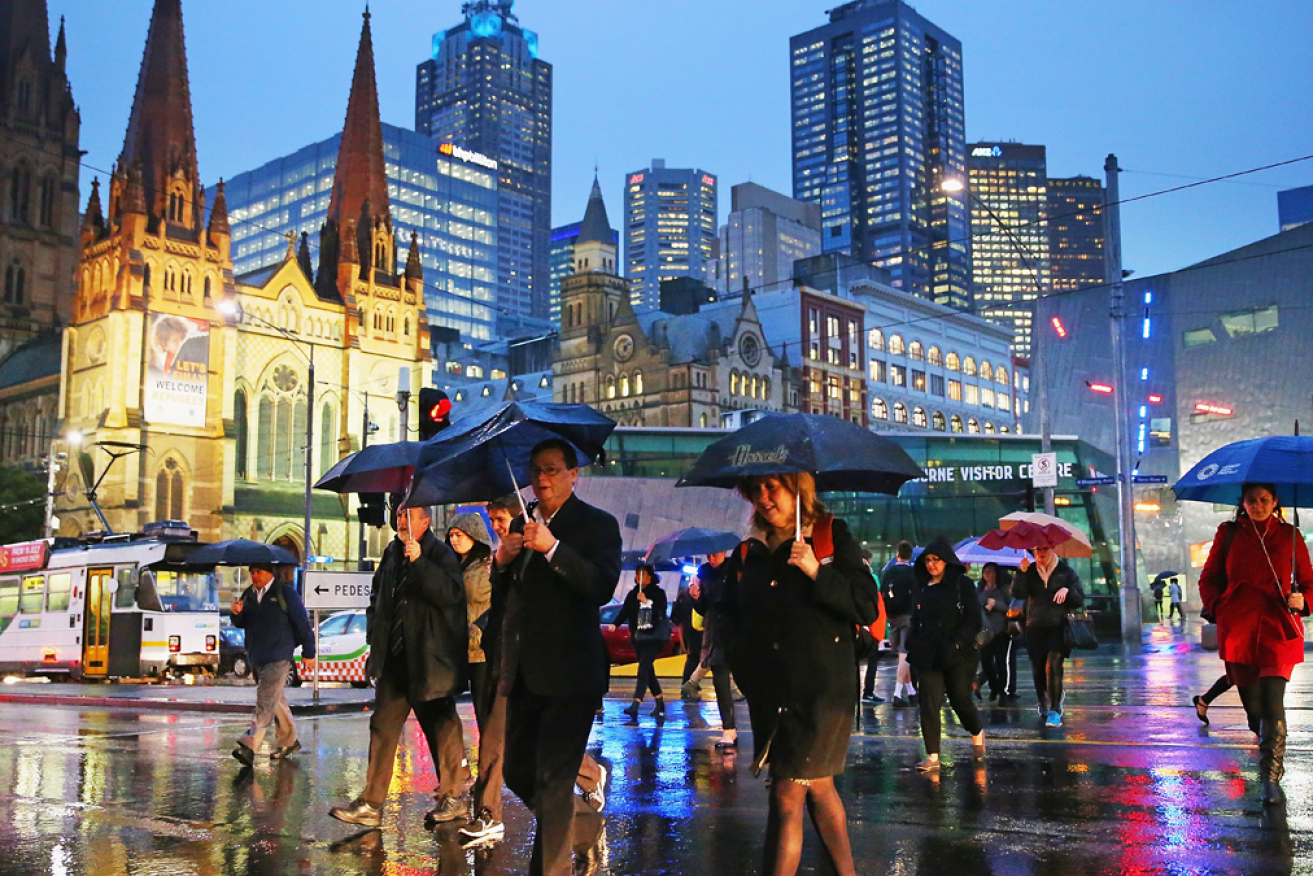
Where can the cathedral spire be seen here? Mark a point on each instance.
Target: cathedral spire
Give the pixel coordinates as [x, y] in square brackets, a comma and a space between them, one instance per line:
[596, 227]
[361, 176]
[160, 135]
[61, 48]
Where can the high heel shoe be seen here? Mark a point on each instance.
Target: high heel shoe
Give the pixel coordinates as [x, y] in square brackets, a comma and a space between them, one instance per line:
[1201, 709]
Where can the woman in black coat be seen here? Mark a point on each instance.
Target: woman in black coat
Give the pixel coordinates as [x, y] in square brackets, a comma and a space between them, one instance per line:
[941, 647]
[788, 622]
[645, 613]
[1051, 589]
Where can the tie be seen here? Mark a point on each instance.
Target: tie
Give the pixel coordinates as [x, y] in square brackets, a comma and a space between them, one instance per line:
[397, 637]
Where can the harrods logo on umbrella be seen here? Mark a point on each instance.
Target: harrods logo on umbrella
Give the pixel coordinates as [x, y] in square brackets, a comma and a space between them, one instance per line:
[745, 455]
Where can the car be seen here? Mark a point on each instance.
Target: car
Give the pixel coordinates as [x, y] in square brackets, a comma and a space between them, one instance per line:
[620, 649]
[343, 650]
[232, 650]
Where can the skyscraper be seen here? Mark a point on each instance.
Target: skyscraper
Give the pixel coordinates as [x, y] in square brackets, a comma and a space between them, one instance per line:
[1075, 233]
[878, 124]
[766, 232]
[669, 228]
[1009, 264]
[485, 89]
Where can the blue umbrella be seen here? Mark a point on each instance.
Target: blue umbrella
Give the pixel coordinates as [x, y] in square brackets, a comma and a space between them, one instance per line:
[240, 552]
[692, 542]
[839, 454]
[378, 468]
[1286, 461]
[968, 550]
[475, 461]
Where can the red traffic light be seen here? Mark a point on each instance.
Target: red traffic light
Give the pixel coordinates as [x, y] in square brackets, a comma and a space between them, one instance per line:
[434, 408]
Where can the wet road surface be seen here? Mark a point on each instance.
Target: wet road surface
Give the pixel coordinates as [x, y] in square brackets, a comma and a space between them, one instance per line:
[1132, 784]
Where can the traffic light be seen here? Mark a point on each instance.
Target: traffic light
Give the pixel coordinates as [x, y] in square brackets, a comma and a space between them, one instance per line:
[373, 509]
[434, 407]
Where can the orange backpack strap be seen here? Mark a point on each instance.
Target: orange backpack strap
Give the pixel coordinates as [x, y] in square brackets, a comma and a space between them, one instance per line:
[823, 539]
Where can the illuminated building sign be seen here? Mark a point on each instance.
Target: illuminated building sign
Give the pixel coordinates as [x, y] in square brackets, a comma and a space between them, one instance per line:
[635, 179]
[1059, 327]
[987, 152]
[1102, 388]
[1209, 408]
[466, 155]
[708, 180]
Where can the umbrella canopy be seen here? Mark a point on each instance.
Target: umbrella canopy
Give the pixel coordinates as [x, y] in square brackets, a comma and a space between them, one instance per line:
[378, 468]
[240, 552]
[969, 550]
[1285, 461]
[1028, 536]
[839, 454]
[1079, 544]
[469, 461]
[693, 542]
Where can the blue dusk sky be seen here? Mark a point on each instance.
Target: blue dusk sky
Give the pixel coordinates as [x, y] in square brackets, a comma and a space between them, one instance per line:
[1179, 89]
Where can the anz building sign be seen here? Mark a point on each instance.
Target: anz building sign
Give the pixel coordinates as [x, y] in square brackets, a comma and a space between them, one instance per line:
[987, 152]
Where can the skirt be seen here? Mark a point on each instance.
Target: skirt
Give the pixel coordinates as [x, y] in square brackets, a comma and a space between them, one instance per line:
[1041, 641]
[1248, 674]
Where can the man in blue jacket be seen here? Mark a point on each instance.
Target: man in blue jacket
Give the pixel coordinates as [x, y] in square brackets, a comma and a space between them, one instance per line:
[275, 621]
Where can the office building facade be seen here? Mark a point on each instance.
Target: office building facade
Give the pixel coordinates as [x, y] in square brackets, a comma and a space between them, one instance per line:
[446, 195]
[485, 89]
[878, 124]
[669, 228]
[1009, 234]
[1075, 232]
[764, 235]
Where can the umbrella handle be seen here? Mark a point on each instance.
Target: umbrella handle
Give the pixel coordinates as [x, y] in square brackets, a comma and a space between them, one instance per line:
[797, 518]
[524, 509]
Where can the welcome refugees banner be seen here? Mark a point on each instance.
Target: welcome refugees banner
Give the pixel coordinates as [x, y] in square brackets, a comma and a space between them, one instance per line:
[177, 370]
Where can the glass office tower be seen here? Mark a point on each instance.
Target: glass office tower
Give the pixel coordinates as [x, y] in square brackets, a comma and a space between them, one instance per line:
[669, 229]
[878, 124]
[449, 199]
[486, 89]
[1075, 232]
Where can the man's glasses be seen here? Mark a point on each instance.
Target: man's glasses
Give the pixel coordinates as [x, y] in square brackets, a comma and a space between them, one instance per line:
[550, 471]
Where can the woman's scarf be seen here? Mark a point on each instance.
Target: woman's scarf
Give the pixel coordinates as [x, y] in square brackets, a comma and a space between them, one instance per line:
[1046, 570]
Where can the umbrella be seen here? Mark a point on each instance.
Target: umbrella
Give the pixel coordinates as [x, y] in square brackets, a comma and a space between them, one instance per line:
[378, 468]
[969, 550]
[1285, 461]
[1078, 544]
[840, 455]
[1027, 535]
[240, 552]
[693, 542]
[480, 460]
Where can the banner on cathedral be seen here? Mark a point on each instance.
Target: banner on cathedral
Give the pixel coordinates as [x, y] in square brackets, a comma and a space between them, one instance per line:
[177, 370]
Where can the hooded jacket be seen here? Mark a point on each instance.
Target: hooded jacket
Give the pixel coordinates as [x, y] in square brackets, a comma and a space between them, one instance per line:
[945, 616]
[478, 584]
[1041, 610]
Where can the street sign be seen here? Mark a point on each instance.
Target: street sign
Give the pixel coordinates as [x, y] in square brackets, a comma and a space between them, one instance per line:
[335, 591]
[1150, 479]
[1044, 469]
[1096, 482]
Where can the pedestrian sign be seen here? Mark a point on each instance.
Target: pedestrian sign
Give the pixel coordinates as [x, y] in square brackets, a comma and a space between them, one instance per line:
[335, 591]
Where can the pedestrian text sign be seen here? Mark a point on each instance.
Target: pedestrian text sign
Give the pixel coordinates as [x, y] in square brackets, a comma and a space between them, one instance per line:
[335, 591]
[1096, 482]
[1044, 469]
[1150, 479]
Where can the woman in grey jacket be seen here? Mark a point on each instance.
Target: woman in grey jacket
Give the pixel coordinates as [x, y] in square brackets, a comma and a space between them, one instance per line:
[1051, 589]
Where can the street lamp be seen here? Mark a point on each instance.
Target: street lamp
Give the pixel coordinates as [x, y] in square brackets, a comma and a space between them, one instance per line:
[230, 307]
[954, 185]
[366, 429]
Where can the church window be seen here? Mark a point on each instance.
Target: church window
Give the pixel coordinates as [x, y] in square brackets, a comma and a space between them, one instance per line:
[392, 322]
[20, 194]
[638, 383]
[702, 421]
[734, 383]
[145, 280]
[169, 491]
[240, 427]
[46, 214]
[756, 386]
[624, 386]
[610, 386]
[765, 389]
[282, 440]
[264, 452]
[405, 327]
[24, 94]
[186, 284]
[15, 283]
[170, 282]
[327, 438]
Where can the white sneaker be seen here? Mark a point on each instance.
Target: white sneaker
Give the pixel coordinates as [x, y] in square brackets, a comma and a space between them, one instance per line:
[597, 797]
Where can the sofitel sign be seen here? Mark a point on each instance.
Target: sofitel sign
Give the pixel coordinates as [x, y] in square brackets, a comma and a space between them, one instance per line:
[466, 155]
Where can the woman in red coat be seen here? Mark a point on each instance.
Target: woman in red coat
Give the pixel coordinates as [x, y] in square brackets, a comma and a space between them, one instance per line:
[1246, 585]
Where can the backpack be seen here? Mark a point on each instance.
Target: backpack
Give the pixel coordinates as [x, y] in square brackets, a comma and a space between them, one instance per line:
[864, 641]
[277, 586]
[898, 589]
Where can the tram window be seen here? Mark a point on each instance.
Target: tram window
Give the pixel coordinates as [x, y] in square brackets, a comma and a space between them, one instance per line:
[148, 599]
[57, 594]
[126, 597]
[34, 592]
[8, 601]
[185, 591]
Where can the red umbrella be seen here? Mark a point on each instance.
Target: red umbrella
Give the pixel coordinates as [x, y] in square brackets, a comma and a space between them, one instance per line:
[1026, 536]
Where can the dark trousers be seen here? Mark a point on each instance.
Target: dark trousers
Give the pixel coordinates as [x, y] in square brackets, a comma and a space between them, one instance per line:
[931, 685]
[647, 654]
[868, 683]
[724, 685]
[545, 742]
[999, 663]
[692, 647]
[1175, 610]
[1047, 651]
[437, 718]
[490, 713]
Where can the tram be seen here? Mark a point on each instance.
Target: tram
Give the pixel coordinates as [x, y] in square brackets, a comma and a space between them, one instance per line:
[127, 606]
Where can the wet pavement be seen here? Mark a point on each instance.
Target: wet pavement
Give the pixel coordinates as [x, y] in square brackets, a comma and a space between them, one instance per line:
[1132, 784]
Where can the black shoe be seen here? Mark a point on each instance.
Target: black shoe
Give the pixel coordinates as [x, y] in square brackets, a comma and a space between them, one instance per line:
[357, 812]
[632, 711]
[902, 703]
[872, 700]
[286, 750]
[244, 754]
[659, 710]
[447, 809]
[1201, 709]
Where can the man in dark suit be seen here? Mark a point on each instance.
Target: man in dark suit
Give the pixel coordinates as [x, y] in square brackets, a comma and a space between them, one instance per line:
[555, 570]
[418, 658]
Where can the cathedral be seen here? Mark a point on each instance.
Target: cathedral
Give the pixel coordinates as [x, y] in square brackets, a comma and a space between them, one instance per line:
[193, 388]
[655, 368]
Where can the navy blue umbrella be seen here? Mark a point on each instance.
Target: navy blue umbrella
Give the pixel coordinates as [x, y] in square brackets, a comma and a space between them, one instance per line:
[240, 552]
[839, 454]
[481, 460]
[378, 468]
[1286, 461]
[692, 542]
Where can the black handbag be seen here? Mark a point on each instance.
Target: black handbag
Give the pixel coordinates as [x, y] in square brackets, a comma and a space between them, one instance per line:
[659, 632]
[1079, 633]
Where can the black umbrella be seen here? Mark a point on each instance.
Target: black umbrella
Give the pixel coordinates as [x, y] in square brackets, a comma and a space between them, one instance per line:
[478, 461]
[693, 542]
[839, 454]
[240, 552]
[378, 468]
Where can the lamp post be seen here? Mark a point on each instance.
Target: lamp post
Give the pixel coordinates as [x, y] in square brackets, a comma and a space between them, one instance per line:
[952, 184]
[231, 308]
[365, 429]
